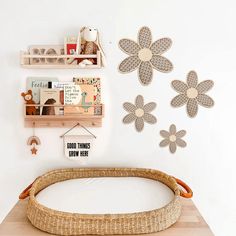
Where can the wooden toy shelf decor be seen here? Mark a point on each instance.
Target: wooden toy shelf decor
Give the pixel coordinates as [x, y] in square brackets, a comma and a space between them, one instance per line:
[56, 59]
[68, 120]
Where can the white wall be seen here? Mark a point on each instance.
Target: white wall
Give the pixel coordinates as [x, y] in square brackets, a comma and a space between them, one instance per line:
[204, 37]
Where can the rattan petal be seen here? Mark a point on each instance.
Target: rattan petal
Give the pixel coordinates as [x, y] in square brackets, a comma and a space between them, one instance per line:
[161, 64]
[179, 86]
[160, 46]
[205, 86]
[179, 100]
[129, 46]
[172, 138]
[129, 118]
[164, 143]
[192, 107]
[164, 134]
[145, 37]
[139, 112]
[147, 53]
[129, 64]
[139, 101]
[181, 143]
[193, 93]
[145, 73]
[149, 107]
[172, 147]
[172, 129]
[129, 107]
[192, 79]
[205, 100]
[139, 124]
[180, 134]
[149, 118]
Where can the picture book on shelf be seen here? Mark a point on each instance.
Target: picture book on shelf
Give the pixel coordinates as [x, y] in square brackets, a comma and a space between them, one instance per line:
[50, 97]
[36, 83]
[81, 95]
[60, 85]
[70, 45]
[95, 83]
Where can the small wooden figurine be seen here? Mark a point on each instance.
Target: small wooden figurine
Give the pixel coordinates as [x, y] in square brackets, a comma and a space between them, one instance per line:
[33, 141]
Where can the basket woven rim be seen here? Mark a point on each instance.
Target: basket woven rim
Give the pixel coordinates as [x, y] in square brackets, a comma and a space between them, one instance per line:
[34, 192]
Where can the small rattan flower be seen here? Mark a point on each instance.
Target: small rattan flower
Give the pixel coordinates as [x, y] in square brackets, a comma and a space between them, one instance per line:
[145, 55]
[192, 93]
[139, 113]
[173, 138]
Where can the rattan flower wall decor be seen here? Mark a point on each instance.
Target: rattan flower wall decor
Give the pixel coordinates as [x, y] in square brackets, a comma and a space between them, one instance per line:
[145, 55]
[139, 113]
[192, 93]
[172, 138]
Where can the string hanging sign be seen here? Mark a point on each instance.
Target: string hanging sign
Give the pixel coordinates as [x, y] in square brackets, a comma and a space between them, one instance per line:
[77, 147]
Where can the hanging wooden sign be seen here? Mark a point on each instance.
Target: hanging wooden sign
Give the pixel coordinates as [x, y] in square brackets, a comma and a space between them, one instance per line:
[77, 146]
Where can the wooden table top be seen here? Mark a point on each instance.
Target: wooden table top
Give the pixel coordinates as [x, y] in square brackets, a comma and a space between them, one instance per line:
[191, 223]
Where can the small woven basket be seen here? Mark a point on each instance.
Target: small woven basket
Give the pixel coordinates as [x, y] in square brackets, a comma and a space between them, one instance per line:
[64, 223]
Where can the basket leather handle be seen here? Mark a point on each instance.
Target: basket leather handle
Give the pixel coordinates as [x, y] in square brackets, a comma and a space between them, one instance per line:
[26, 192]
[188, 193]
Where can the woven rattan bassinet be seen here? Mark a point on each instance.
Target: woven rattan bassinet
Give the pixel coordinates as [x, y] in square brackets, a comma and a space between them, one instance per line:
[64, 223]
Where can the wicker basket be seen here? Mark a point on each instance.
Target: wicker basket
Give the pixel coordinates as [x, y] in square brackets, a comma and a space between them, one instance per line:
[64, 223]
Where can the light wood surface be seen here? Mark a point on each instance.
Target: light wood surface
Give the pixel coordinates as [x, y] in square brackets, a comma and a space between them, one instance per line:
[191, 223]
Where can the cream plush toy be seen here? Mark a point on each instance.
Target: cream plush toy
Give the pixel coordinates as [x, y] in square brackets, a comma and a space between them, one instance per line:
[90, 44]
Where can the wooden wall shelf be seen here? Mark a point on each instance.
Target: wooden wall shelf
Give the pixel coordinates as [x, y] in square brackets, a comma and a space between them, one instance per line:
[64, 120]
[45, 60]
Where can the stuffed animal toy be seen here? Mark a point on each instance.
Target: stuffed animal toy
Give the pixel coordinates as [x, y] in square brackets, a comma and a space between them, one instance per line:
[86, 62]
[90, 44]
[28, 97]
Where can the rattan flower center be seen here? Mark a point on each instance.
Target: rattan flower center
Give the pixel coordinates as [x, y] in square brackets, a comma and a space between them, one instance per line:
[145, 54]
[172, 138]
[139, 112]
[192, 93]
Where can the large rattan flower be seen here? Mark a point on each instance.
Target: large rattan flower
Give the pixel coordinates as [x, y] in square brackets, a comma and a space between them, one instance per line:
[192, 93]
[139, 113]
[172, 138]
[145, 55]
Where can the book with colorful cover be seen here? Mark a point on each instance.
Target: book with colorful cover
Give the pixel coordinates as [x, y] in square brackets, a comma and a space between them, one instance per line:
[50, 97]
[70, 45]
[60, 85]
[81, 95]
[36, 83]
[96, 84]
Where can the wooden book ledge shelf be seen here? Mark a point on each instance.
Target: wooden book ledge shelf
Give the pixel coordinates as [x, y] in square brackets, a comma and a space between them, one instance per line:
[64, 120]
[45, 59]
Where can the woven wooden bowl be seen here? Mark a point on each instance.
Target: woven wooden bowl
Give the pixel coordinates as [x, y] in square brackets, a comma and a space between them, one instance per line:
[64, 223]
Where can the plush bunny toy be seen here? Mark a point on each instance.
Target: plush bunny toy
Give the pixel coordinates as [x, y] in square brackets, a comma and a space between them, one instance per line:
[90, 44]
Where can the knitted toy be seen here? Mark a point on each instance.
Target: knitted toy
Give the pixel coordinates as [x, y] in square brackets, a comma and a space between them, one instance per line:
[90, 44]
[28, 97]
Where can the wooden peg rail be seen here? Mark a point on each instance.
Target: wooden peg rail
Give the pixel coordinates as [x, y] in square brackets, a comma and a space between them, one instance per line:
[94, 120]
